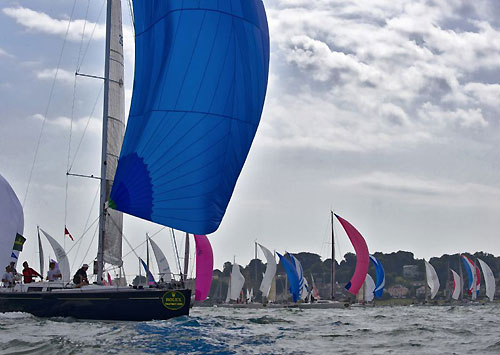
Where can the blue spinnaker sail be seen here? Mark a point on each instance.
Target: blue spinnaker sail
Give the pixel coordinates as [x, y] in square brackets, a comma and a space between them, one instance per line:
[201, 70]
[380, 275]
[293, 279]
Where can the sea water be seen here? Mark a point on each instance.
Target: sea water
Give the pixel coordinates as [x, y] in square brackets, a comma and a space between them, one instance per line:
[368, 330]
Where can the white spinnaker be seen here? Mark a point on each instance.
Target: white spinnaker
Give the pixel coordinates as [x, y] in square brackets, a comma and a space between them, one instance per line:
[457, 285]
[489, 279]
[369, 288]
[61, 257]
[271, 267]
[237, 282]
[112, 242]
[432, 279]
[11, 221]
[161, 260]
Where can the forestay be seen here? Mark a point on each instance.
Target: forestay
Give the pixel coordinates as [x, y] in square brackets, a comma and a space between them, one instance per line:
[61, 257]
[11, 221]
[200, 81]
[489, 279]
[432, 279]
[271, 267]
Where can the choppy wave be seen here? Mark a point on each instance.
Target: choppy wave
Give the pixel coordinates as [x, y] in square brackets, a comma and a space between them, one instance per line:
[377, 330]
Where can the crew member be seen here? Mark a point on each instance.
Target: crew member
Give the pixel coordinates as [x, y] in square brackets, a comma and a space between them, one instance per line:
[53, 273]
[8, 278]
[29, 273]
[80, 279]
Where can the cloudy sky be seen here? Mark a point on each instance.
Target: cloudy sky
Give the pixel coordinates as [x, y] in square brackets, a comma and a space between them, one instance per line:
[386, 111]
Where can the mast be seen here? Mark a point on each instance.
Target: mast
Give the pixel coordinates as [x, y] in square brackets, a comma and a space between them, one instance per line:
[147, 253]
[333, 257]
[461, 295]
[186, 257]
[113, 127]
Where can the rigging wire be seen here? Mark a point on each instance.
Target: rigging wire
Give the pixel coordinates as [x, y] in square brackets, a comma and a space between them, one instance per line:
[71, 125]
[85, 129]
[48, 104]
[91, 35]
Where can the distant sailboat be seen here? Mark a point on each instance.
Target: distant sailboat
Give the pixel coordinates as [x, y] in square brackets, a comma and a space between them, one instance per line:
[489, 280]
[237, 282]
[164, 273]
[362, 256]
[472, 276]
[380, 275]
[432, 279]
[293, 278]
[369, 289]
[271, 267]
[457, 285]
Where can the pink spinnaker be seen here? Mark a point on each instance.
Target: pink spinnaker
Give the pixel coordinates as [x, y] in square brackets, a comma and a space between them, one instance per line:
[362, 256]
[204, 267]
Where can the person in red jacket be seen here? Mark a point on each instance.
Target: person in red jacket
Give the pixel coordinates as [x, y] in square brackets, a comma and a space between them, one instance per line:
[29, 273]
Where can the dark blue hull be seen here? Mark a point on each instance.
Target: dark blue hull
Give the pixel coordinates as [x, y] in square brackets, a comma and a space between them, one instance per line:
[129, 305]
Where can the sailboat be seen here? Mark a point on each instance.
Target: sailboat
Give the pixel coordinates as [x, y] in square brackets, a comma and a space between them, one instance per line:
[199, 88]
[457, 285]
[432, 279]
[489, 280]
[473, 276]
[380, 276]
[268, 279]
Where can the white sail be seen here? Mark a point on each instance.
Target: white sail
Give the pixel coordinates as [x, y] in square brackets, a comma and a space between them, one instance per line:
[228, 295]
[272, 292]
[161, 260]
[237, 282]
[40, 254]
[112, 241]
[457, 285]
[432, 279]
[267, 279]
[11, 221]
[369, 288]
[250, 296]
[489, 279]
[61, 257]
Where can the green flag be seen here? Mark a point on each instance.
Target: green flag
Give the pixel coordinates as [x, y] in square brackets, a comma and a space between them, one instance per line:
[19, 242]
